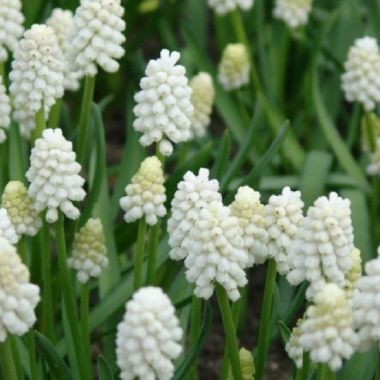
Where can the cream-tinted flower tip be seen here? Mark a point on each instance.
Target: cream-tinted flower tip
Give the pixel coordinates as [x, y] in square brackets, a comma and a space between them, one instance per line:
[7, 229]
[193, 193]
[5, 111]
[216, 253]
[293, 346]
[353, 275]
[250, 213]
[164, 109]
[294, 13]
[222, 7]
[203, 100]
[327, 331]
[20, 208]
[283, 218]
[36, 76]
[11, 29]
[18, 297]
[148, 338]
[373, 168]
[89, 256]
[62, 22]
[145, 196]
[361, 79]
[247, 365]
[97, 36]
[54, 177]
[234, 67]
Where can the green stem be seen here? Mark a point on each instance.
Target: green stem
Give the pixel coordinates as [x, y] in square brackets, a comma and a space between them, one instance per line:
[322, 372]
[84, 315]
[152, 254]
[139, 254]
[8, 367]
[377, 375]
[2, 72]
[40, 124]
[264, 333]
[305, 366]
[88, 93]
[22, 250]
[15, 163]
[370, 132]
[69, 299]
[55, 113]
[229, 330]
[196, 309]
[32, 355]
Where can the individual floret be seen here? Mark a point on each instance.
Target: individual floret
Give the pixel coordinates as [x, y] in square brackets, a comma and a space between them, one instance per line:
[294, 13]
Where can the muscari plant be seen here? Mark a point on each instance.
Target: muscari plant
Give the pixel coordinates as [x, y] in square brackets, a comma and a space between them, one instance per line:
[114, 272]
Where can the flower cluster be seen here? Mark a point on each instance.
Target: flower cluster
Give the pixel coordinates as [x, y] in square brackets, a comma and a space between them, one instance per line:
[322, 250]
[222, 7]
[148, 337]
[11, 29]
[250, 213]
[202, 99]
[54, 176]
[234, 67]
[7, 229]
[36, 76]
[5, 111]
[145, 196]
[97, 36]
[20, 208]
[283, 217]
[89, 251]
[327, 330]
[247, 365]
[294, 13]
[194, 193]
[361, 79]
[18, 297]
[164, 109]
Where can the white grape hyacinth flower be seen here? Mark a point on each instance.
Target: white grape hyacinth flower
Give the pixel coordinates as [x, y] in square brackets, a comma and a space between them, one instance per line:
[250, 213]
[222, 7]
[234, 67]
[164, 109]
[322, 250]
[361, 79]
[36, 76]
[20, 207]
[293, 346]
[18, 297]
[193, 193]
[5, 111]
[216, 253]
[148, 338]
[11, 29]
[97, 36]
[55, 182]
[327, 329]
[145, 195]
[7, 229]
[283, 218]
[89, 256]
[366, 304]
[295, 13]
[62, 22]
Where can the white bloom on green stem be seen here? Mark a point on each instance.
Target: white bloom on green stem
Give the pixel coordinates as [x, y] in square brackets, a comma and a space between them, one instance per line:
[234, 67]
[250, 213]
[89, 255]
[366, 303]
[373, 167]
[216, 253]
[193, 193]
[36, 76]
[322, 251]
[145, 195]
[54, 177]
[97, 36]
[203, 99]
[62, 21]
[361, 79]
[18, 297]
[21, 210]
[7, 229]
[164, 109]
[11, 29]
[148, 338]
[5, 111]
[293, 346]
[283, 218]
[294, 13]
[327, 329]
[222, 7]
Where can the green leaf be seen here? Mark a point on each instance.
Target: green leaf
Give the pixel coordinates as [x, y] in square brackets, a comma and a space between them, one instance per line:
[104, 369]
[183, 369]
[56, 364]
[223, 155]
[284, 331]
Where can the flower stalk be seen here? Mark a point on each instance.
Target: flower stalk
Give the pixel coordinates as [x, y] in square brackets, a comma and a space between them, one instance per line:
[139, 254]
[8, 367]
